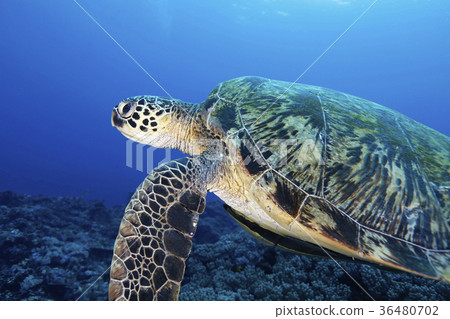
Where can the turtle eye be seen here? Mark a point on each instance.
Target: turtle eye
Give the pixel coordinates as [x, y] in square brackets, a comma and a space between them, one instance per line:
[126, 109]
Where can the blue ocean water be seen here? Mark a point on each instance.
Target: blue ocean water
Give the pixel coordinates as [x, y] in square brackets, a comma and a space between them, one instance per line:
[61, 74]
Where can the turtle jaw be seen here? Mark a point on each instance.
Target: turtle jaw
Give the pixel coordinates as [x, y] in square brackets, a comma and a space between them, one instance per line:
[120, 123]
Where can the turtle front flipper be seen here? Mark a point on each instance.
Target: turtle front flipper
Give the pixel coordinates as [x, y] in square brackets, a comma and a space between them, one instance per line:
[155, 235]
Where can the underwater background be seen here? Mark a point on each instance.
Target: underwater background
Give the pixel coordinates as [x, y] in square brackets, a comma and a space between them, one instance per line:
[64, 179]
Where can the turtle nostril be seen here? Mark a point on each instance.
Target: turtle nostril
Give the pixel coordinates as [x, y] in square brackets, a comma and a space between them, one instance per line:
[116, 120]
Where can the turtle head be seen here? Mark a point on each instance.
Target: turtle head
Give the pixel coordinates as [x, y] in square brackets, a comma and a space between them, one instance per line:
[144, 119]
[156, 121]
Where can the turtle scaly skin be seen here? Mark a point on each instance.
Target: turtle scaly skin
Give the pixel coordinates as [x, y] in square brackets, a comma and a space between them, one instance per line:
[154, 240]
[306, 168]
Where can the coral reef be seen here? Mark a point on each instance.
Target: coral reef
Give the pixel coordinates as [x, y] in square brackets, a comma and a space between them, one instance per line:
[55, 248]
[239, 268]
[60, 249]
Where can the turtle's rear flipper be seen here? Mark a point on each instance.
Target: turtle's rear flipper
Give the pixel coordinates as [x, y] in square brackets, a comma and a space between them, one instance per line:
[154, 238]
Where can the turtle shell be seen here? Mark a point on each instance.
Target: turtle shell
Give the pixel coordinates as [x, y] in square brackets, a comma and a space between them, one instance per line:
[368, 178]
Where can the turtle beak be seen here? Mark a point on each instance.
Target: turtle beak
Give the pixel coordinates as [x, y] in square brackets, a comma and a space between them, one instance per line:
[116, 121]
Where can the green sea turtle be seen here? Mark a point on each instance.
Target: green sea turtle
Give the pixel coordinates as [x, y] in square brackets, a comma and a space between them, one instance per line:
[301, 167]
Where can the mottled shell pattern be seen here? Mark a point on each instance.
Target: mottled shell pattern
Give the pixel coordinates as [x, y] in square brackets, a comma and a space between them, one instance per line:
[368, 178]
